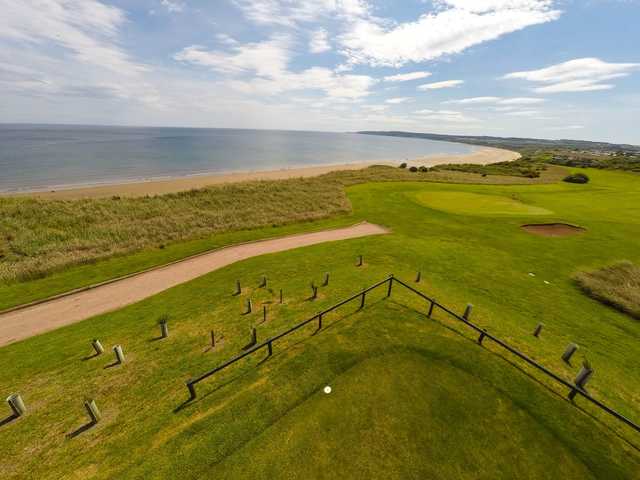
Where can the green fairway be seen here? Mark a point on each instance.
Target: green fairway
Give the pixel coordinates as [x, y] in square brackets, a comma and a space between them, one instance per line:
[412, 397]
[467, 203]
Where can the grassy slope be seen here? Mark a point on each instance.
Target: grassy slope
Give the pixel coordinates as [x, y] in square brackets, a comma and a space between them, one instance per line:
[50, 240]
[275, 414]
[616, 285]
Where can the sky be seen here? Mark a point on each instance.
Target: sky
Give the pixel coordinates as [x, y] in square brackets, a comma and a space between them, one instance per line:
[532, 68]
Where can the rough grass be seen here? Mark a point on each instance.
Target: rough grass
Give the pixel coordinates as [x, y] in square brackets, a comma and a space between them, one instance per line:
[617, 285]
[38, 237]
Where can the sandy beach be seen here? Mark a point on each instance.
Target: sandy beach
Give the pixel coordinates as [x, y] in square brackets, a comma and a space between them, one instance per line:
[482, 156]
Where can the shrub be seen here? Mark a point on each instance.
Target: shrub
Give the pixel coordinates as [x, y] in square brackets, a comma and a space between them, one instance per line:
[424, 169]
[403, 165]
[577, 178]
[413, 169]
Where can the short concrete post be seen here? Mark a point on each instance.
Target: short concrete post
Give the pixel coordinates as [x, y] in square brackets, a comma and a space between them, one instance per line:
[483, 334]
[119, 354]
[254, 336]
[326, 280]
[97, 346]
[281, 297]
[319, 321]
[538, 330]
[467, 311]
[583, 377]
[249, 306]
[213, 339]
[17, 405]
[238, 288]
[362, 300]
[568, 353]
[418, 277]
[270, 347]
[164, 328]
[263, 284]
[360, 261]
[92, 410]
[314, 292]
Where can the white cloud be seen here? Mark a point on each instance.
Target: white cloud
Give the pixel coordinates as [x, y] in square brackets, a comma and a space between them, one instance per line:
[266, 66]
[406, 77]
[579, 75]
[524, 113]
[173, 6]
[474, 101]
[453, 28]
[398, 100]
[86, 28]
[440, 85]
[507, 102]
[319, 42]
[447, 116]
[292, 12]
[521, 101]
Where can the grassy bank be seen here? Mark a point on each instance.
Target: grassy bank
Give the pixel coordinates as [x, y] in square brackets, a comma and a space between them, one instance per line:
[412, 398]
[617, 285]
[48, 247]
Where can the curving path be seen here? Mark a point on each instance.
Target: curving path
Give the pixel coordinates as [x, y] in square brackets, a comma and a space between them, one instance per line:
[49, 315]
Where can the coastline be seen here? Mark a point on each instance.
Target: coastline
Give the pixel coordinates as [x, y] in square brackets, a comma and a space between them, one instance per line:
[481, 156]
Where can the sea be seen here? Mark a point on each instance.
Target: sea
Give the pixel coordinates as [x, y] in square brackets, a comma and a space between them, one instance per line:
[49, 157]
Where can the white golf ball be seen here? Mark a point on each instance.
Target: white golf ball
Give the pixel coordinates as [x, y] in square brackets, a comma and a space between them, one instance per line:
[327, 390]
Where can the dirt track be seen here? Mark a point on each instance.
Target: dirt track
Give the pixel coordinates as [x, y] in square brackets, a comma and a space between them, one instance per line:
[36, 319]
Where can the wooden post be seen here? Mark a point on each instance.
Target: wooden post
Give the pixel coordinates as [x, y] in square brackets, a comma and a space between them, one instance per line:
[238, 288]
[164, 329]
[17, 404]
[362, 300]
[97, 346]
[264, 282]
[390, 286]
[270, 348]
[326, 280]
[92, 410]
[319, 321]
[360, 261]
[481, 337]
[254, 336]
[249, 306]
[314, 291]
[418, 277]
[119, 354]
[281, 297]
[568, 353]
[467, 311]
[213, 339]
[538, 330]
[433, 304]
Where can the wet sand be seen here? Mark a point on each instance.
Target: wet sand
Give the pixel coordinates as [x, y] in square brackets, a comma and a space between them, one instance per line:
[481, 156]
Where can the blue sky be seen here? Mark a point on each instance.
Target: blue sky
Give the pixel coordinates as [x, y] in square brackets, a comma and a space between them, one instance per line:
[544, 68]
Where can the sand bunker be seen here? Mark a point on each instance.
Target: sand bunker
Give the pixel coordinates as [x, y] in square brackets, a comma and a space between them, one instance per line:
[553, 229]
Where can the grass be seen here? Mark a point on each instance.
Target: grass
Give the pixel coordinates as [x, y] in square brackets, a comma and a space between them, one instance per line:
[526, 166]
[412, 397]
[478, 204]
[616, 285]
[49, 247]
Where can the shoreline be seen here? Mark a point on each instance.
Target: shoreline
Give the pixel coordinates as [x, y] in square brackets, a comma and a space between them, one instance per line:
[160, 186]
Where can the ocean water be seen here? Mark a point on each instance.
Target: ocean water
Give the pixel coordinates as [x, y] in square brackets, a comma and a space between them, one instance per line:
[35, 157]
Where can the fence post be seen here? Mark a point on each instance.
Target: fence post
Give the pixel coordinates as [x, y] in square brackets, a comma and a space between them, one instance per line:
[360, 261]
[249, 306]
[164, 329]
[281, 297]
[254, 336]
[314, 291]
[319, 321]
[238, 288]
[97, 346]
[467, 311]
[418, 277]
[568, 353]
[92, 410]
[586, 372]
[481, 337]
[17, 404]
[192, 391]
[431, 307]
[119, 354]
[538, 330]
[362, 300]
[263, 284]
[213, 339]
[326, 280]
[390, 285]
[270, 348]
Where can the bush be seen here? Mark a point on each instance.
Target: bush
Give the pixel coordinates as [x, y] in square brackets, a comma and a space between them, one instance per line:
[413, 169]
[403, 165]
[577, 178]
[424, 169]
